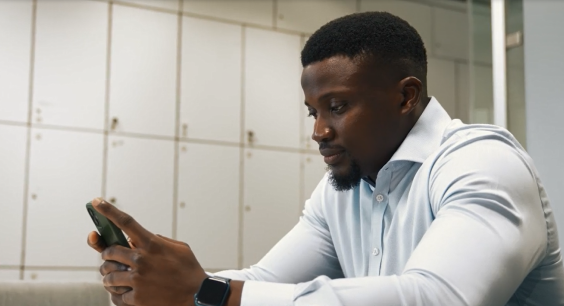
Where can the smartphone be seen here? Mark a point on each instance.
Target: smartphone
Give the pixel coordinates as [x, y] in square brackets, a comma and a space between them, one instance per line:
[110, 233]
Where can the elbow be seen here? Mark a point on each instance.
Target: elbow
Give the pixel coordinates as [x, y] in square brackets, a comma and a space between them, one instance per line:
[422, 287]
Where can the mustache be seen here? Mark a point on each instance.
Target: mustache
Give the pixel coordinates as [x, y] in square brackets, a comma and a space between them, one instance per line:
[325, 145]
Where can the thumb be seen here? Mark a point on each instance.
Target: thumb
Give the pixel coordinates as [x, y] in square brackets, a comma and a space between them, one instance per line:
[96, 242]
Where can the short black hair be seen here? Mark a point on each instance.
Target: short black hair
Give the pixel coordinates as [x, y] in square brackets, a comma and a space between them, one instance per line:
[379, 35]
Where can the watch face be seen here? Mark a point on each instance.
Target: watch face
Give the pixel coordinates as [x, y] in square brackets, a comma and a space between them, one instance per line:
[212, 291]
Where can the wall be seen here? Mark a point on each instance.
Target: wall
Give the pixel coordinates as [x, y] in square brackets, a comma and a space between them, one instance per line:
[544, 46]
[150, 104]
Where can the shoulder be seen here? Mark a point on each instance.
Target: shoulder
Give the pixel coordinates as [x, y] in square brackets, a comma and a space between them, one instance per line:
[479, 160]
[465, 145]
[478, 137]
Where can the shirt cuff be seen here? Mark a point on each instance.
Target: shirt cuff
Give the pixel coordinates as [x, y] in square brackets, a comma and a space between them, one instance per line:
[257, 293]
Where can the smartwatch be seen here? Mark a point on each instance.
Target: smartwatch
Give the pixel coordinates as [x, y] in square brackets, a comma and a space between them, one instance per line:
[213, 292]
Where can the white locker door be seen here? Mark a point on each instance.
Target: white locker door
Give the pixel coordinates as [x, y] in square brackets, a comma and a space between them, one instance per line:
[211, 80]
[417, 15]
[140, 177]
[163, 4]
[482, 106]
[62, 275]
[450, 29]
[208, 198]
[70, 64]
[482, 29]
[65, 172]
[12, 178]
[143, 71]
[271, 199]
[297, 15]
[314, 170]
[247, 11]
[307, 130]
[441, 83]
[307, 121]
[272, 88]
[9, 275]
[15, 49]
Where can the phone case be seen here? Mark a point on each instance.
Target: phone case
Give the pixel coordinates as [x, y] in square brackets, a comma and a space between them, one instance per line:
[107, 229]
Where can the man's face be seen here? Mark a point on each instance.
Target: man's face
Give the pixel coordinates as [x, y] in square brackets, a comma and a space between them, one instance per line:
[357, 110]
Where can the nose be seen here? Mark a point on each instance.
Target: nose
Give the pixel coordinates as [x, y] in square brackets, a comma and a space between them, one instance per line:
[322, 132]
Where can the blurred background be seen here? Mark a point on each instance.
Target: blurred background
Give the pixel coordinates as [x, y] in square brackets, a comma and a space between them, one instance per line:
[188, 115]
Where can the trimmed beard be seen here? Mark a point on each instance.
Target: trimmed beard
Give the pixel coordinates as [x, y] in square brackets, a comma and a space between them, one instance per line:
[349, 180]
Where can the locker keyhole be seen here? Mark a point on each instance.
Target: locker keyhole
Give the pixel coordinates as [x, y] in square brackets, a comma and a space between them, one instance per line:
[115, 123]
[250, 137]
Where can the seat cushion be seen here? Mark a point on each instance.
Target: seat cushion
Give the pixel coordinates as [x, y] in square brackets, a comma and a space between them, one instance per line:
[34, 293]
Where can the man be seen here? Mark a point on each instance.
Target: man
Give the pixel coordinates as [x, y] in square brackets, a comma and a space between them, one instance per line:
[417, 209]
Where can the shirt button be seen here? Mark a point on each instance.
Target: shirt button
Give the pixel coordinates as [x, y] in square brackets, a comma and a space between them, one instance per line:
[375, 252]
[379, 198]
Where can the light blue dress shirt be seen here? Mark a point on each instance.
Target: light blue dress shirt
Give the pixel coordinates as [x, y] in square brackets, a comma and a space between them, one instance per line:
[458, 216]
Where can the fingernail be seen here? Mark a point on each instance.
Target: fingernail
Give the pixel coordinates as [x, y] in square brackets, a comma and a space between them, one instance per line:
[97, 201]
[92, 239]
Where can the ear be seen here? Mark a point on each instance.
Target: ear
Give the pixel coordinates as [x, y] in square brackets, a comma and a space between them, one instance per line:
[411, 88]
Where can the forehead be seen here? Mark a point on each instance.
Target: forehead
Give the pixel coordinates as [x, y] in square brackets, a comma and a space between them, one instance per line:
[341, 73]
[333, 71]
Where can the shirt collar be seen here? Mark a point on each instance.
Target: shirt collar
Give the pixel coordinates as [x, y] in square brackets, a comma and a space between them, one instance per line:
[425, 136]
[423, 139]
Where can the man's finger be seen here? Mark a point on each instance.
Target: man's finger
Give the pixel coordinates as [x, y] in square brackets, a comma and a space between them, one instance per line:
[120, 254]
[173, 241]
[118, 300]
[138, 234]
[110, 266]
[118, 278]
[117, 289]
[129, 297]
[131, 244]
[96, 242]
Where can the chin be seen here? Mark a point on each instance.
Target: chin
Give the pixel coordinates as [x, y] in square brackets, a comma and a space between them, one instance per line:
[345, 177]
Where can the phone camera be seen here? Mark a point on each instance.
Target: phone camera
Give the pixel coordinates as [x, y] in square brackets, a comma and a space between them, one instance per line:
[93, 216]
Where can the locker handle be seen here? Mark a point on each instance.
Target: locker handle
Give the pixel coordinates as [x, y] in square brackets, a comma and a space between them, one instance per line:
[250, 136]
[115, 123]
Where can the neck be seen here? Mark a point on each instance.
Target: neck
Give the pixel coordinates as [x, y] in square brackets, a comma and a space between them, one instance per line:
[412, 119]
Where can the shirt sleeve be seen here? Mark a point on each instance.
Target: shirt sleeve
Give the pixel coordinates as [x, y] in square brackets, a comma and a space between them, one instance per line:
[304, 253]
[489, 233]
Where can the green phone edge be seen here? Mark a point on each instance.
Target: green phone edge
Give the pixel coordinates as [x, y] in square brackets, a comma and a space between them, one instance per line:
[110, 233]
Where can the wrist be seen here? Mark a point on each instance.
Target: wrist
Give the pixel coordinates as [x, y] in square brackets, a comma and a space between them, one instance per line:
[235, 294]
[217, 291]
[195, 286]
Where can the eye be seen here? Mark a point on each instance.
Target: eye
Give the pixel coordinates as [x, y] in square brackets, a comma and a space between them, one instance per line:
[312, 114]
[338, 109]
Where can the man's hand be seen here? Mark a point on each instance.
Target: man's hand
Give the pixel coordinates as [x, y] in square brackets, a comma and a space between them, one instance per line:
[95, 241]
[161, 271]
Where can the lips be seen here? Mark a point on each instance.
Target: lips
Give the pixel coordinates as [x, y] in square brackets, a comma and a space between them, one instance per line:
[333, 159]
[332, 156]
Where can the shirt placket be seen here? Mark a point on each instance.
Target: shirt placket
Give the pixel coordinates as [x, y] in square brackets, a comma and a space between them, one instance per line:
[379, 205]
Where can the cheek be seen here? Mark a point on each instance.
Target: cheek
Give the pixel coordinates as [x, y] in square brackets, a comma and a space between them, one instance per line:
[356, 132]
[364, 136]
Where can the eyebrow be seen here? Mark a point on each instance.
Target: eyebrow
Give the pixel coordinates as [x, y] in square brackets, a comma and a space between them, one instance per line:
[325, 95]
